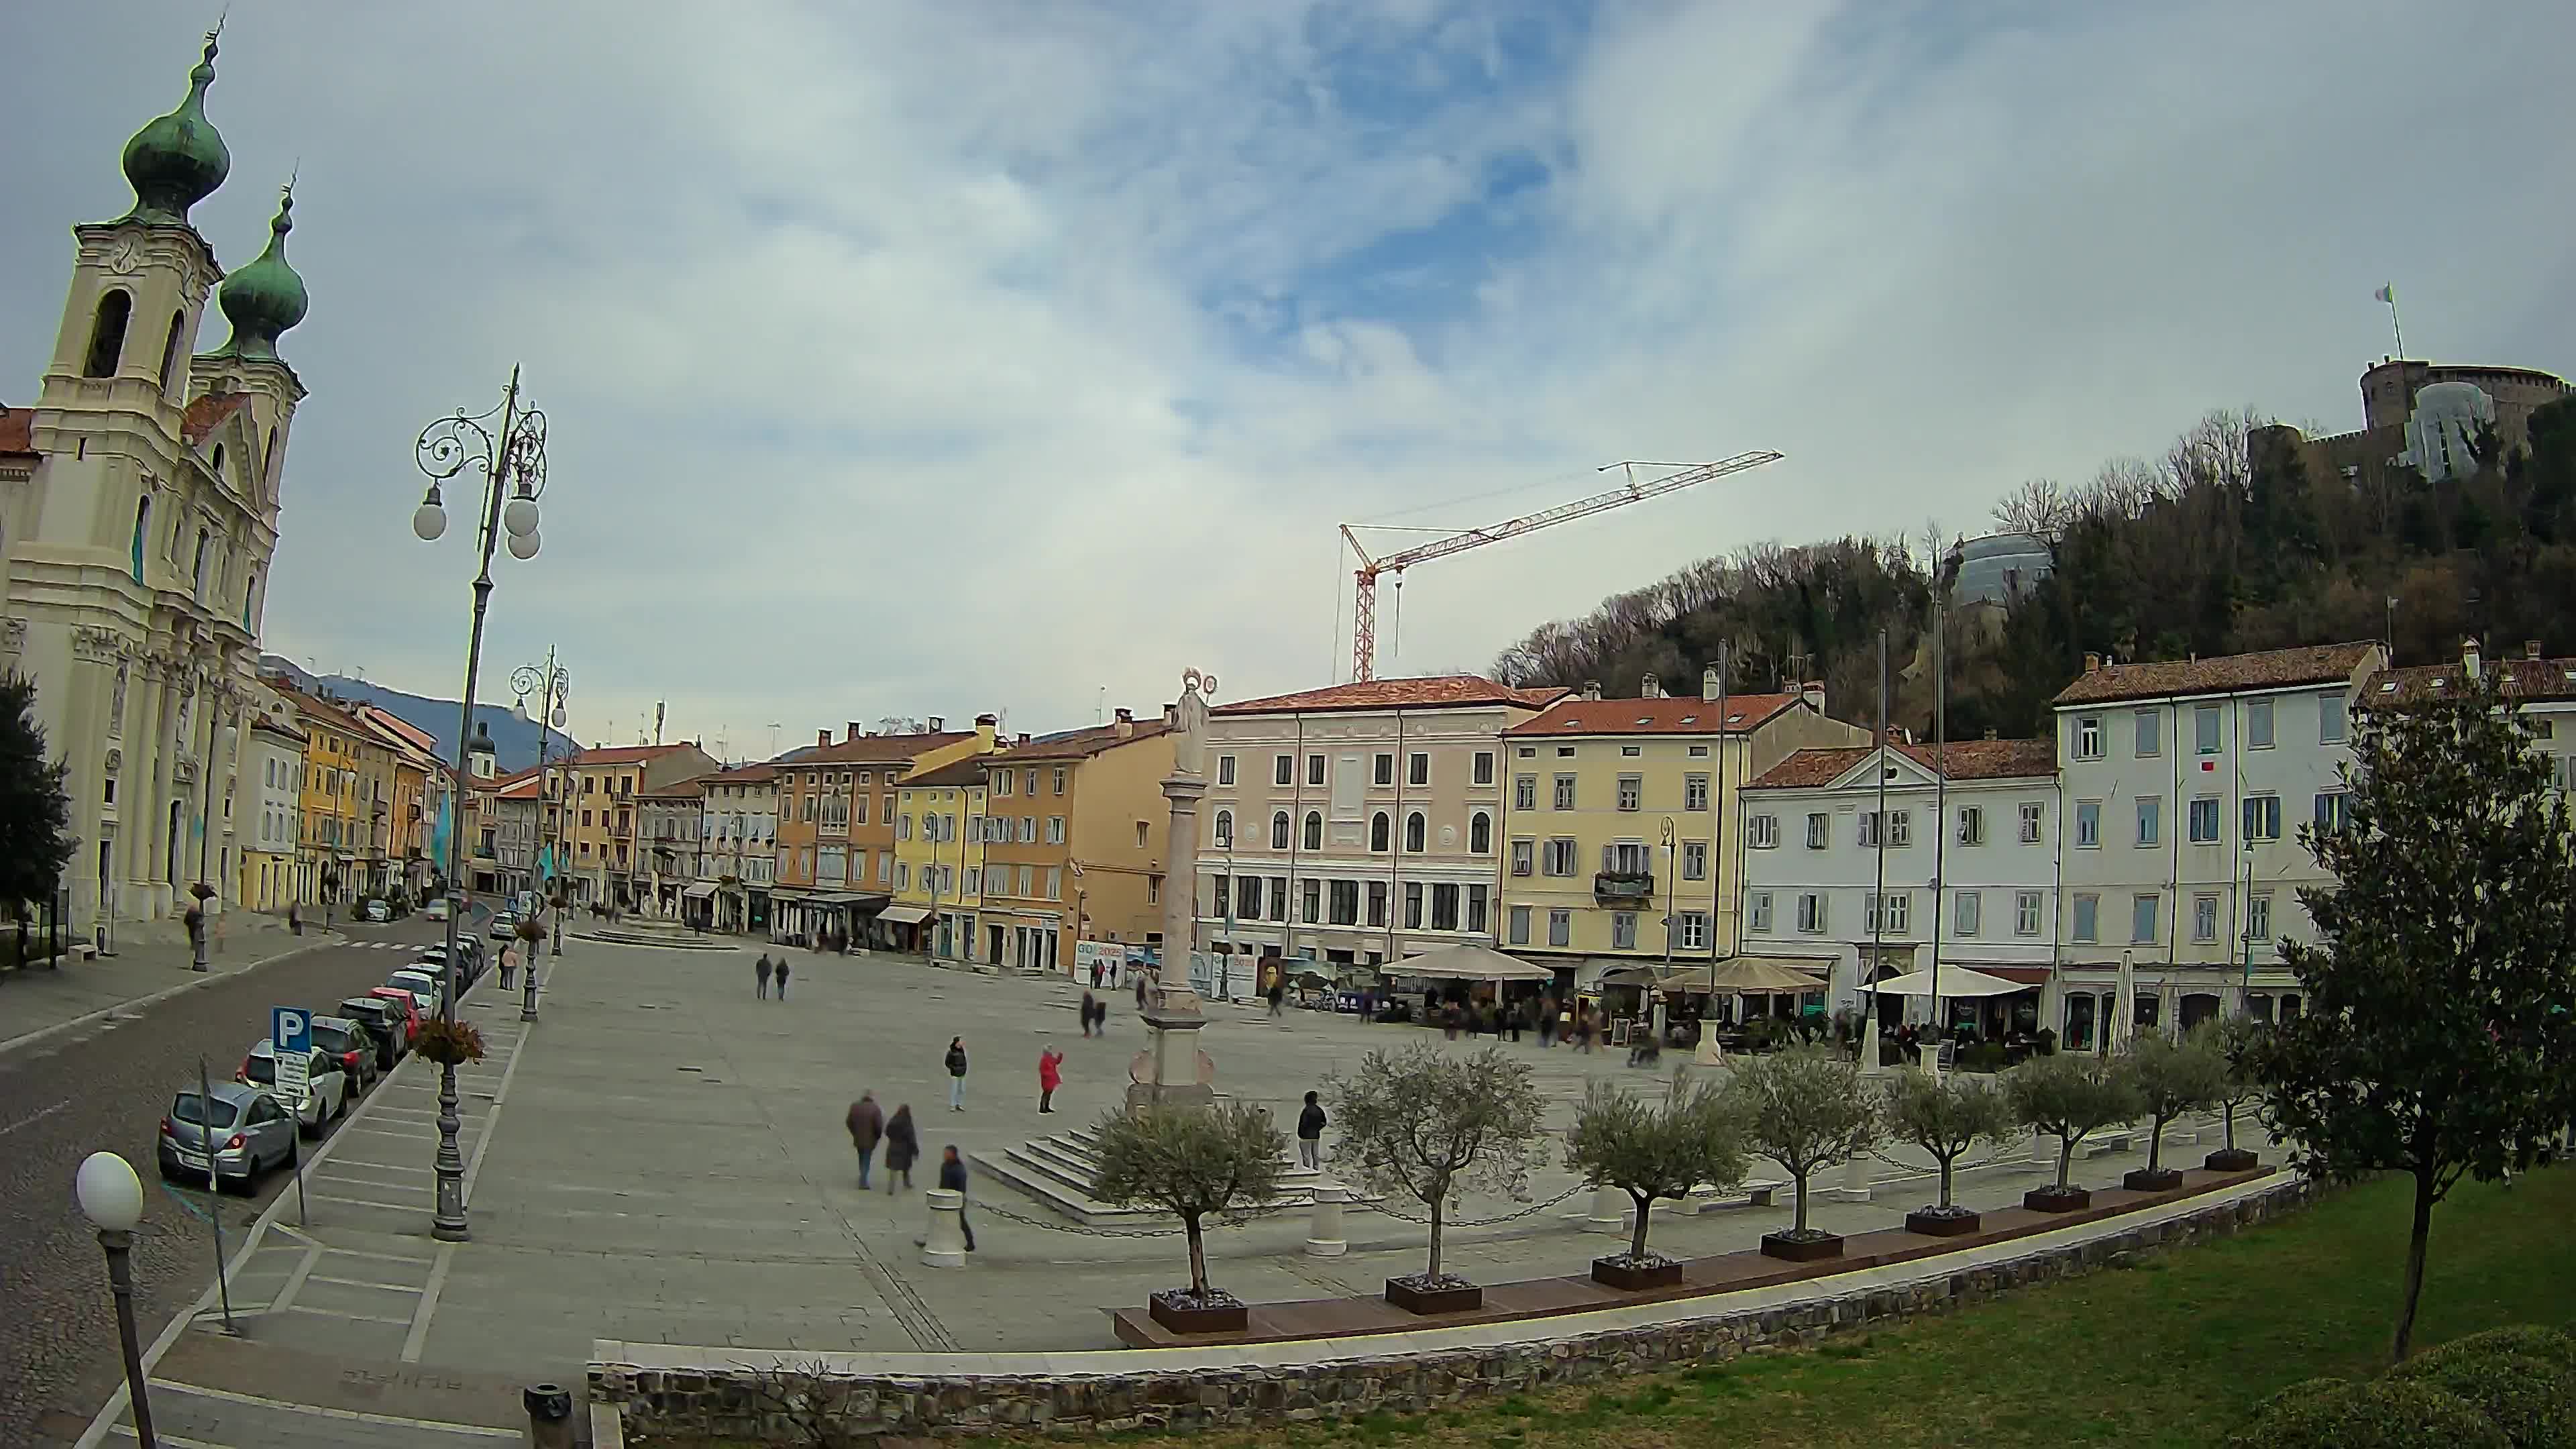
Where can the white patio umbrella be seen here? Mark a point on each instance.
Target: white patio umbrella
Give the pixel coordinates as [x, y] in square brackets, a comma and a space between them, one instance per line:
[1469, 962]
[1955, 981]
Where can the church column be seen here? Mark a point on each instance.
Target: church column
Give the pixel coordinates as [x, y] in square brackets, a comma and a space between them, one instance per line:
[140, 803]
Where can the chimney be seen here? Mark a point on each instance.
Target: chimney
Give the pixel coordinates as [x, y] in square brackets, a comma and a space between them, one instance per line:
[2530, 648]
[2092, 662]
[938, 724]
[1708, 684]
[851, 733]
[1126, 724]
[986, 727]
[1650, 687]
[1814, 695]
[822, 737]
[1592, 689]
[1024, 737]
[2469, 656]
[1171, 716]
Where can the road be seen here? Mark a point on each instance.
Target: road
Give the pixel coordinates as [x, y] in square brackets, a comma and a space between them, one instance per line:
[106, 1087]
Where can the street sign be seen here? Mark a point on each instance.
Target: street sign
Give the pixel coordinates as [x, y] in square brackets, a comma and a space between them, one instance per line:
[290, 1032]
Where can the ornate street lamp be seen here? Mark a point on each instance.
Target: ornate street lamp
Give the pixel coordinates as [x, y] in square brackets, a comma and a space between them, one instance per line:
[554, 686]
[111, 1197]
[513, 465]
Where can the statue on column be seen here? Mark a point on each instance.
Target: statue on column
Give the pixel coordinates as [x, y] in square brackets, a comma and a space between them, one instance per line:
[1172, 1071]
[1189, 723]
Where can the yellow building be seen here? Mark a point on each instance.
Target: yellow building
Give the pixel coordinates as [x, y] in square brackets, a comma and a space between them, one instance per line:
[596, 792]
[938, 859]
[1620, 815]
[1074, 836]
[332, 836]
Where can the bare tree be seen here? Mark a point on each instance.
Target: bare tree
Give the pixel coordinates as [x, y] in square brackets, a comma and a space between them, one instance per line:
[2039, 507]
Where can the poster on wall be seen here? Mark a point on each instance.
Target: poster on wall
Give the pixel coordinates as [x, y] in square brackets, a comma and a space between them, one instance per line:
[1108, 955]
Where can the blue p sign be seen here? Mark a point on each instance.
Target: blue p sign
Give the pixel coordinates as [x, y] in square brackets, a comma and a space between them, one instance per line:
[291, 1028]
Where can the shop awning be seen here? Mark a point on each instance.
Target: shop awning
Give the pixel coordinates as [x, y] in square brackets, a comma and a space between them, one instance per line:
[904, 915]
[1469, 963]
[1955, 981]
[1750, 976]
[842, 898]
[699, 891]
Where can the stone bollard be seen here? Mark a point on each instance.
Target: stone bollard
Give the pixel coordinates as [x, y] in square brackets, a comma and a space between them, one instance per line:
[1856, 1182]
[2043, 1152]
[945, 1245]
[1610, 1207]
[1324, 1233]
[549, 1409]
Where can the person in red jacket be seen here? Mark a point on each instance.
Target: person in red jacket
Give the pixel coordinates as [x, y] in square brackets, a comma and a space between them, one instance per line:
[1050, 1077]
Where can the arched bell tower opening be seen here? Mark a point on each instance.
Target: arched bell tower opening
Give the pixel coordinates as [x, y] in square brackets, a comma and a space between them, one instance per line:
[107, 332]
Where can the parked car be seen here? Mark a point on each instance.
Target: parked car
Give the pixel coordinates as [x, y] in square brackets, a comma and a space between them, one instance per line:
[379, 911]
[383, 1023]
[354, 1046]
[423, 983]
[436, 910]
[407, 1008]
[505, 926]
[471, 960]
[243, 1126]
[326, 1086]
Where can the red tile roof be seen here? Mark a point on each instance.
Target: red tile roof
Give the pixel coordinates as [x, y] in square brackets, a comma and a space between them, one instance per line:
[622, 754]
[873, 749]
[1438, 691]
[968, 771]
[1663, 716]
[207, 413]
[1079, 744]
[17, 430]
[2530, 679]
[744, 775]
[1966, 759]
[2271, 669]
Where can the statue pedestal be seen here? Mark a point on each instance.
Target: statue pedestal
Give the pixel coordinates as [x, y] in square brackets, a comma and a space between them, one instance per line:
[1171, 1071]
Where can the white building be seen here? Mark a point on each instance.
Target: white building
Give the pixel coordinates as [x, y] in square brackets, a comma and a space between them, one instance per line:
[2185, 783]
[2543, 689]
[1961, 867]
[1356, 824]
[269, 817]
[138, 513]
[737, 864]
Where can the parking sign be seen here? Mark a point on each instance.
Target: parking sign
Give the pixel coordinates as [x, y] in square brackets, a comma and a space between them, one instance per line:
[290, 1031]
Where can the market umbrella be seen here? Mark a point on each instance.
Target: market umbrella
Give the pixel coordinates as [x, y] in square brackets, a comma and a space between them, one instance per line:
[1630, 976]
[1955, 981]
[1743, 975]
[1466, 962]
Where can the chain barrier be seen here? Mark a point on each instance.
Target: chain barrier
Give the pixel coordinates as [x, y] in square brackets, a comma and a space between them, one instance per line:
[984, 1209]
[1425, 1219]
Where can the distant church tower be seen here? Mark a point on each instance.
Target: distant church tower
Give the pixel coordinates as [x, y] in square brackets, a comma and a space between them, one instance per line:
[137, 547]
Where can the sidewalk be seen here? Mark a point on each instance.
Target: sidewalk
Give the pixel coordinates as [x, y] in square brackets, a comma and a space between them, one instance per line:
[37, 1000]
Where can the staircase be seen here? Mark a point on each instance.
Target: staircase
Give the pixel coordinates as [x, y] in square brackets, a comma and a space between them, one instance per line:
[1058, 1171]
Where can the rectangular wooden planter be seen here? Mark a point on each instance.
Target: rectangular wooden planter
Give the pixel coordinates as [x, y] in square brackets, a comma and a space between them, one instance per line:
[2231, 1159]
[2056, 1200]
[1189, 1318]
[1613, 1273]
[1942, 1225]
[2163, 1179]
[1435, 1300]
[1801, 1250]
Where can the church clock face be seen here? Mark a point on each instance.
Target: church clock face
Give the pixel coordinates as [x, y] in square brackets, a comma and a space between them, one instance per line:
[125, 258]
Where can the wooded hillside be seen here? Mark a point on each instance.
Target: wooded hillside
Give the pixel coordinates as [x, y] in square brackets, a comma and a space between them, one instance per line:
[2206, 550]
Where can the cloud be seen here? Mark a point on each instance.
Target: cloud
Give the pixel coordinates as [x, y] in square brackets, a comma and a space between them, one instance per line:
[931, 359]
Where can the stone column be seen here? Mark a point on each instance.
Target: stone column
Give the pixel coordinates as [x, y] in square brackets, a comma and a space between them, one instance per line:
[944, 1246]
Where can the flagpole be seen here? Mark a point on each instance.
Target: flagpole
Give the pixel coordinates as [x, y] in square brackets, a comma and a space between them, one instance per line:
[2388, 294]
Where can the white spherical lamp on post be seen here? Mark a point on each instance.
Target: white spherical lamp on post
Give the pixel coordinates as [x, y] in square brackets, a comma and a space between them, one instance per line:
[111, 1197]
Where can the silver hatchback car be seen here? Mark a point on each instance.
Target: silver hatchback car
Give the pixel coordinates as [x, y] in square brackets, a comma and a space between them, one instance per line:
[244, 1127]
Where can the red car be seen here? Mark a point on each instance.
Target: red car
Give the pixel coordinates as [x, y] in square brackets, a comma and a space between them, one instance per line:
[409, 1007]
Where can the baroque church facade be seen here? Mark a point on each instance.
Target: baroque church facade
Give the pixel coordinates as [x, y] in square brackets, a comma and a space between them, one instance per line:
[139, 511]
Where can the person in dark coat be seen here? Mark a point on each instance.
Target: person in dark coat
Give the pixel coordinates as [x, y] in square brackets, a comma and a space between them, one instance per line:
[1310, 1135]
[782, 978]
[903, 1147]
[952, 1176]
[1087, 1005]
[955, 1061]
[867, 1127]
[763, 971]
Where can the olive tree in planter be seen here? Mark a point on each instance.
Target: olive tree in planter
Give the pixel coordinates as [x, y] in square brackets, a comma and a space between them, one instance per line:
[2237, 1041]
[2173, 1077]
[1945, 1116]
[1431, 1126]
[2070, 1097]
[1806, 1108]
[1653, 1150]
[1194, 1163]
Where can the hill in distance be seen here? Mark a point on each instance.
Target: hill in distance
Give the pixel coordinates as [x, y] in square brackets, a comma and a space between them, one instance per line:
[515, 738]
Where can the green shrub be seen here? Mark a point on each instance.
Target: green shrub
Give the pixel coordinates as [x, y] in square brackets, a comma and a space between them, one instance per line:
[2525, 1340]
[2525, 1397]
[2387, 1414]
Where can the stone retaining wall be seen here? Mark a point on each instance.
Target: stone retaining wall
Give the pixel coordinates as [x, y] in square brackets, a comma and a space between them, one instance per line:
[743, 1402]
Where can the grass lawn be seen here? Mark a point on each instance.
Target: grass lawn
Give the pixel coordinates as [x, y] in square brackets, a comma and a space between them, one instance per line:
[2165, 1353]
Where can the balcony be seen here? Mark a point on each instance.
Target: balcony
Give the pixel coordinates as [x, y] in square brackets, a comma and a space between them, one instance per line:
[1623, 887]
[621, 832]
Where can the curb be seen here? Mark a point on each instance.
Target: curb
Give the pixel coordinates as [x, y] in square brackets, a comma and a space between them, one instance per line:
[91, 1018]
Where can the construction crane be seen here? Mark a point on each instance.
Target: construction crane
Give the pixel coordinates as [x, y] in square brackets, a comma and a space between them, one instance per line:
[1364, 613]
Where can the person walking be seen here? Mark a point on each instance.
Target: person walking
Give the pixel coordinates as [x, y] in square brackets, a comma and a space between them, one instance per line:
[1095, 973]
[1050, 1077]
[1137, 977]
[295, 918]
[1100, 1018]
[867, 1128]
[956, 1064]
[903, 1147]
[952, 1176]
[509, 964]
[763, 970]
[1310, 1135]
[782, 978]
[1087, 1004]
[1279, 997]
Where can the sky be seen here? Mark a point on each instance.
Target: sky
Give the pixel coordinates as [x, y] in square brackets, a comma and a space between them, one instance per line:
[934, 359]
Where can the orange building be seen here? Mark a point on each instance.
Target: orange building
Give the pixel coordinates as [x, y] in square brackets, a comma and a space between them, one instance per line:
[1074, 843]
[836, 813]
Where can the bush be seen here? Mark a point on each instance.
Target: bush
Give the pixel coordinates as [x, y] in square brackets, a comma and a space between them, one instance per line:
[2525, 1397]
[2520, 1340]
[1983, 1057]
[2386, 1414]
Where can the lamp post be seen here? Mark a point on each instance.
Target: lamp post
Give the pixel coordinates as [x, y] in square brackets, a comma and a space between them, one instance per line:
[553, 685]
[513, 465]
[111, 1197]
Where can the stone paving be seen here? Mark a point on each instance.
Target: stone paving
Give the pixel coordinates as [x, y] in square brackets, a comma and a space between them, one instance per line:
[662, 1160]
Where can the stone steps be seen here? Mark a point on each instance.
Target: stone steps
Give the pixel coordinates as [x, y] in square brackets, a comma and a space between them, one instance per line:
[1058, 1171]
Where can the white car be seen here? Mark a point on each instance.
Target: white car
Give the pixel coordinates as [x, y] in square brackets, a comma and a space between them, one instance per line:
[326, 1086]
[423, 986]
[436, 910]
[379, 912]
